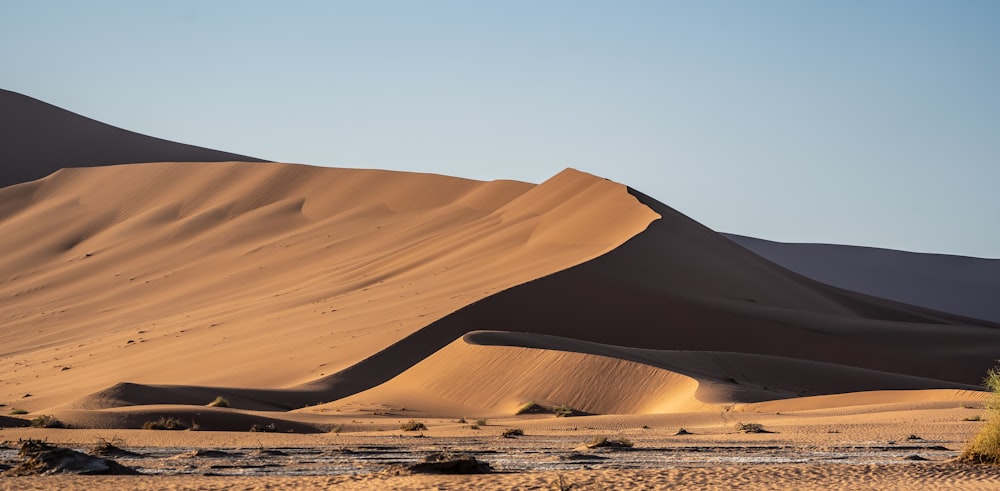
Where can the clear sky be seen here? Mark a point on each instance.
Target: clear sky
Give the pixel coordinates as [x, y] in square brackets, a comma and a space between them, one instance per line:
[857, 122]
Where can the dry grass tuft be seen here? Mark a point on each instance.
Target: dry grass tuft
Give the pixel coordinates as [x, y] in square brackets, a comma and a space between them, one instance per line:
[750, 428]
[164, 424]
[985, 446]
[412, 425]
[512, 432]
[604, 442]
[219, 402]
[47, 421]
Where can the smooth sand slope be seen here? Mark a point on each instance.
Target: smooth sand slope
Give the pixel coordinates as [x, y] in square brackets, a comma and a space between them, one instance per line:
[493, 373]
[263, 275]
[961, 285]
[37, 139]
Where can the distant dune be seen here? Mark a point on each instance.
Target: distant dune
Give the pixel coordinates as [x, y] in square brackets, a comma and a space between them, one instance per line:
[296, 292]
[37, 139]
[961, 285]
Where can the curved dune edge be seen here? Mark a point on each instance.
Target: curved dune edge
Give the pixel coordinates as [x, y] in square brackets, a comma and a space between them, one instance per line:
[262, 275]
[885, 398]
[492, 380]
[493, 373]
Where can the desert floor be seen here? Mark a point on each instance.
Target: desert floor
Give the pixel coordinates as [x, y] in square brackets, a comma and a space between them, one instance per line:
[901, 446]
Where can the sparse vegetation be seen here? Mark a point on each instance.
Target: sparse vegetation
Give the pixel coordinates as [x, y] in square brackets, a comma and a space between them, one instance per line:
[18, 411]
[599, 442]
[219, 402]
[412, 425]
[974, 417]
[269, 428]
[461, 421]
[750, 428]
[481, 422]
[47, 421]
[449, 463]
[530, 407]
[985, 446]
[564, 411]
[111, 448]
[164, 424]
[512, 432]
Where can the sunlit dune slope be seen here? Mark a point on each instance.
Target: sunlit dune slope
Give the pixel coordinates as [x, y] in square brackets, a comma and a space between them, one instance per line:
[492, 373]
[37, 139]
[261, 275]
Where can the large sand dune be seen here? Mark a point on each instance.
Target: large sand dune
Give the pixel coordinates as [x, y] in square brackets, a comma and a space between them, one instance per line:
[37, 139]
[282, 286]
[962, 285]
[299, 292]
[265, 275]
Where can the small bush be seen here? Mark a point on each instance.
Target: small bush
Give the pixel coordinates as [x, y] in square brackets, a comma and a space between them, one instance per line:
[412, 425]
[512, 432]
[985, 446]
[974, 417]
[750, 428]
[530, 407]
[47, 421]
[481, 422]
[111, 448]
[599, 442]
[164, 424]
[461, 421]
[563, 411]
[271, 428]
[219, 402]
[473, 427]
[18, 411]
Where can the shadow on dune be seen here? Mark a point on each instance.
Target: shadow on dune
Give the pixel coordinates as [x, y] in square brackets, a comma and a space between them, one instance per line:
[37, 139]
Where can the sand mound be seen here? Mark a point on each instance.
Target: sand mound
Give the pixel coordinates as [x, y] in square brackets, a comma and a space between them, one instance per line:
[37, 139]
[492, 373]
[483, 380]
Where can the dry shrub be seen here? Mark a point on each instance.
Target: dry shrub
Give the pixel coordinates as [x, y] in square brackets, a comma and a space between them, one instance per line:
[219, 402]
[47, 421]
[604, 442]
[985, 446]
[164, 424]
[412, 425]
[512, 432]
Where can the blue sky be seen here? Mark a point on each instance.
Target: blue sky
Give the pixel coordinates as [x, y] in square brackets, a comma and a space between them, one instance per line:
[860, 122]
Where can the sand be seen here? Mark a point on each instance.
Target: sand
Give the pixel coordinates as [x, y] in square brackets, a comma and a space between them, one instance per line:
[333, 305]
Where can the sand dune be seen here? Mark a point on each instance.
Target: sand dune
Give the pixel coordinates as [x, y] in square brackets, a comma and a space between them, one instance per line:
[37, 139]
[264, 275]
[143, 288]
[493, 373]
[316, 299]
[680, 286]
[961, 285]
[283, 286]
